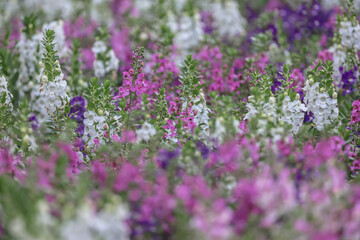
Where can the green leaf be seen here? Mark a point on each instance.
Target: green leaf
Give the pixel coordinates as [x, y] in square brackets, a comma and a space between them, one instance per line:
[347, 135]
[3, 97]
[90, 105]
[67, 110]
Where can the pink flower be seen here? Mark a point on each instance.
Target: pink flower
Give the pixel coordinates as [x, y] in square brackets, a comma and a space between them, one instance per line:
[298, 79]
[285, 147]
[170, 125]
[122, 93]
[115, 138]
[355, 116]
[128, 136]
[325, 55]
[356, 105]
[87, 58]
[99, 172]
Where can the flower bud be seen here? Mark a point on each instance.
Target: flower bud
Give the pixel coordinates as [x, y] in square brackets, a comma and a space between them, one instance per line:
[26, 139]
[334, 95]
[82, 82]
[44, 78]
[100, 112]
[297, 96]
[322, 90]
[251, 98]
[23, 130]
[143, 36]
[311, 81]
[272, 100]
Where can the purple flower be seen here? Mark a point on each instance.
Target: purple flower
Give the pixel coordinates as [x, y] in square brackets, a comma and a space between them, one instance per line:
[207, 21]
[77, 111]
[348, 80]
[309, 117]
[165, 157]
[203, 149]
[34, 121]
[306, 20]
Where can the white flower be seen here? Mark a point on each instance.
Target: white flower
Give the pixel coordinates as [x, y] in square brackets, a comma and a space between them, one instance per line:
[339, 56]
[4, 90]
[293, 113]
[145, 132]
[143, 5]
[101, 67]
[93, 127]
[54, 92]
[321, 105]
[202, 117]
[220, 130]
[107, 224]
[228, 19]
[349, 34]
[113, 63]
[99, 47]
[53, 9]
[188, 33]
[252, 111]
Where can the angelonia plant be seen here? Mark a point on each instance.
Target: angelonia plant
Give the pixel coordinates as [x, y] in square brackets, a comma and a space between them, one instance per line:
[181, 120]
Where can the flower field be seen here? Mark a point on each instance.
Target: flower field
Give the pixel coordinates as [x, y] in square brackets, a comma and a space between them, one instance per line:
[179, 119]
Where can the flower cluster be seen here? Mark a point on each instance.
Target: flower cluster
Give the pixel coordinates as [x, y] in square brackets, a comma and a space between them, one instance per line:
[53, 92]
[350, 32]
[130, 84]
[107, 224]
[323, 106]
[293, 113]
[145, 132]
[105, 59]
[77, 112]
[355, 113]
[93, 127]
[189, 33]
[344, 53]
[30, 55]
[348, 80]
[228, 14]
[201, 114]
